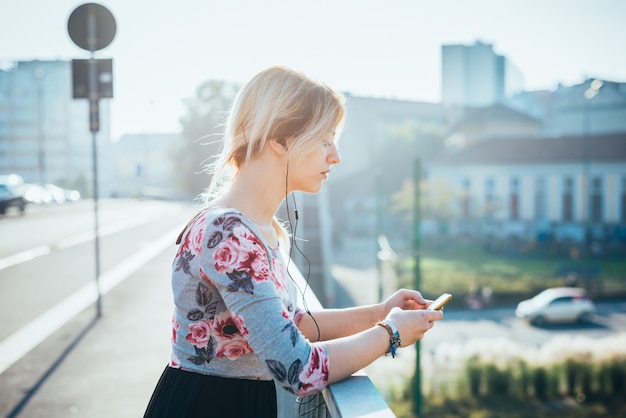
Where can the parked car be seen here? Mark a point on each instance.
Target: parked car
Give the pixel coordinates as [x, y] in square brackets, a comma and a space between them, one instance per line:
[10, 198]
[36, 194]
[71, 195]
[558, 304]
[56, 193]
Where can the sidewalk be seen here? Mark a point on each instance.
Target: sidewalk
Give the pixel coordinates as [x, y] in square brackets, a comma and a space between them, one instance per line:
[108, 367]
[103, 367]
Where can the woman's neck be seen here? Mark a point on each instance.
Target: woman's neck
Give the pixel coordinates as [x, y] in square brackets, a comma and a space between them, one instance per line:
[254, 194]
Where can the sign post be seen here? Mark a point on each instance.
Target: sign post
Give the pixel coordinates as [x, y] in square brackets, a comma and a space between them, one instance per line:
[92, 27]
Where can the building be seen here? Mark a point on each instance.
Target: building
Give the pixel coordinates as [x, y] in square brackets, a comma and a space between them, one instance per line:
[568, 186]
[44, 132]
[592, 107]
[494, 121]
[145, 165]
[358, 188]
[475, 76]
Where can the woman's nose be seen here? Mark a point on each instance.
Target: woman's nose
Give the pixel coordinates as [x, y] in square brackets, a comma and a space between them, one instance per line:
[333, 156]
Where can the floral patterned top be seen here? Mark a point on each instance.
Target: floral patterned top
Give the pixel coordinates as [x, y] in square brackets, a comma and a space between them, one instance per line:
[235, 308]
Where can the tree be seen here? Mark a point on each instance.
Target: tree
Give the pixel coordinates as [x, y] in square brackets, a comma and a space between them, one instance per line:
[436, 202]
[202, 126]
[403, 143]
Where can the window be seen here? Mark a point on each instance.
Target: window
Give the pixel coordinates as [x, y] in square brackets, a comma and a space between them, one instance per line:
[568, 200]
[563, 300]
[465, 199]
[490, 199]
[623, 201]
[514, 199]
[596, 200]
[540, 199]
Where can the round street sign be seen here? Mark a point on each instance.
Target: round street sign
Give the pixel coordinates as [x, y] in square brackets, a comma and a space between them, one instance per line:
[91, 26]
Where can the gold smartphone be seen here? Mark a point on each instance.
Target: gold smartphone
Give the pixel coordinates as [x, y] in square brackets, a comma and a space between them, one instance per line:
[440, 302]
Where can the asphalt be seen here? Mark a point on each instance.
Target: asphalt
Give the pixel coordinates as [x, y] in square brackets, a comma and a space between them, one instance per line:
[103, 366]
[107, 366]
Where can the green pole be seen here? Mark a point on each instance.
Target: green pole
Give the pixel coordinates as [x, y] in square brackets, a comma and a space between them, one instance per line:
[379, 229]
[417, 278]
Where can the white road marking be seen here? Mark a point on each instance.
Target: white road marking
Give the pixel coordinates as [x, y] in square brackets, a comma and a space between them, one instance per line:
[42, 250]
[21, 342]
[24, 256]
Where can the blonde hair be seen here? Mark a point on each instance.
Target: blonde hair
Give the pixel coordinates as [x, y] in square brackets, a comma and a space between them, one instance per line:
[278, 103]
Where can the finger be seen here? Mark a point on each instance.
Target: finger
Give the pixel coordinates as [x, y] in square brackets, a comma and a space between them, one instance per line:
[412, 294]
[418, 297]
[435, 315]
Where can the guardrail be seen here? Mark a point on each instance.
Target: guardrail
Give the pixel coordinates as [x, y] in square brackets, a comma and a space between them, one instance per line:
[355, 397]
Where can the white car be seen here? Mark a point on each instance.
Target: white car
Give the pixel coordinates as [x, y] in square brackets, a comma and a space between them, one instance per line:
[558, 304]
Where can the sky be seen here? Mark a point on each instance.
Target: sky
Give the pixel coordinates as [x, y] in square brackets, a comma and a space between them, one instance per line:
[163, 50]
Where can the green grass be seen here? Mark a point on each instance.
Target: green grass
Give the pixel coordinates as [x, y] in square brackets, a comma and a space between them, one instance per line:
[460, 267]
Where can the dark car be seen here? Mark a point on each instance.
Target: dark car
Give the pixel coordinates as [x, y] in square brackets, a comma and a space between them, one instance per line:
[9, 198]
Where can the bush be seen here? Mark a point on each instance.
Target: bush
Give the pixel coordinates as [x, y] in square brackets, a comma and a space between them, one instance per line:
[540, 383]
[617, 377]
[473, 371]
[574, 388]
[498, 381]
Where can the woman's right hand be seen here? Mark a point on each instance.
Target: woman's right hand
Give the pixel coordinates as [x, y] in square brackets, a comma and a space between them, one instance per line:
[413, 324]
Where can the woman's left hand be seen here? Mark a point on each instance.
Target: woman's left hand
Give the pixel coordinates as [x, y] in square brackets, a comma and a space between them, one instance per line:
[405, 299]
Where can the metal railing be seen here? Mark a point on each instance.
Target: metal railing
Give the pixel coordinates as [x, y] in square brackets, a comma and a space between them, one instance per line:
[351, 398]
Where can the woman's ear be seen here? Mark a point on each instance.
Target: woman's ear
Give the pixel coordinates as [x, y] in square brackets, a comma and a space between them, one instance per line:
[279, 146]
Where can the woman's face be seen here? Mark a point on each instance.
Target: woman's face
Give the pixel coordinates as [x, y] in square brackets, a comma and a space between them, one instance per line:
[307, 172]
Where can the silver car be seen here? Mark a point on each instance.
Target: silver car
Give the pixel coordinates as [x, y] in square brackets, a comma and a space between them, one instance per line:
[558, 304]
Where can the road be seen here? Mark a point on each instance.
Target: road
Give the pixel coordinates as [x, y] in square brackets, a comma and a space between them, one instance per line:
[49, 254]
[48, 337]
[492, 334]
[56, 359]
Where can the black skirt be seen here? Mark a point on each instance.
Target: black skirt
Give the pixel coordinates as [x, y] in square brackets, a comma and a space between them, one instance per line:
[181, 393]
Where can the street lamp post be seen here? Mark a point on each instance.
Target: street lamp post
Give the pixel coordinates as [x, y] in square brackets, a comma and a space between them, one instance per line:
[590, 93]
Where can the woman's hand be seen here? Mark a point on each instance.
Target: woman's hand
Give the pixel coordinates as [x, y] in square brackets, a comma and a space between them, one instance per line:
[405, 299]
[413, 324]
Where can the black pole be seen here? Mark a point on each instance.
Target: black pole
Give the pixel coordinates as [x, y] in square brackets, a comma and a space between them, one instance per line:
[94, 127]
[93, 119]
[92, 27]
[417, 278]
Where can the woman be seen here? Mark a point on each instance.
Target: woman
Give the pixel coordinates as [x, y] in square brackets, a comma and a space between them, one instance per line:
[237, 328]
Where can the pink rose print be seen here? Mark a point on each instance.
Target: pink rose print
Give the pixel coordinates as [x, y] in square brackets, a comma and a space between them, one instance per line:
[232, 348]
[174, 361]
[279, 277]
[242, 251]
[205, 277]
[193, 239]
[174, 329]
[259, 267]
[297, 318]
[199, 333]
[246, 236]
[315, 374]
[241, 326]
[230, 333]
[229, 256]
[256, 264]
